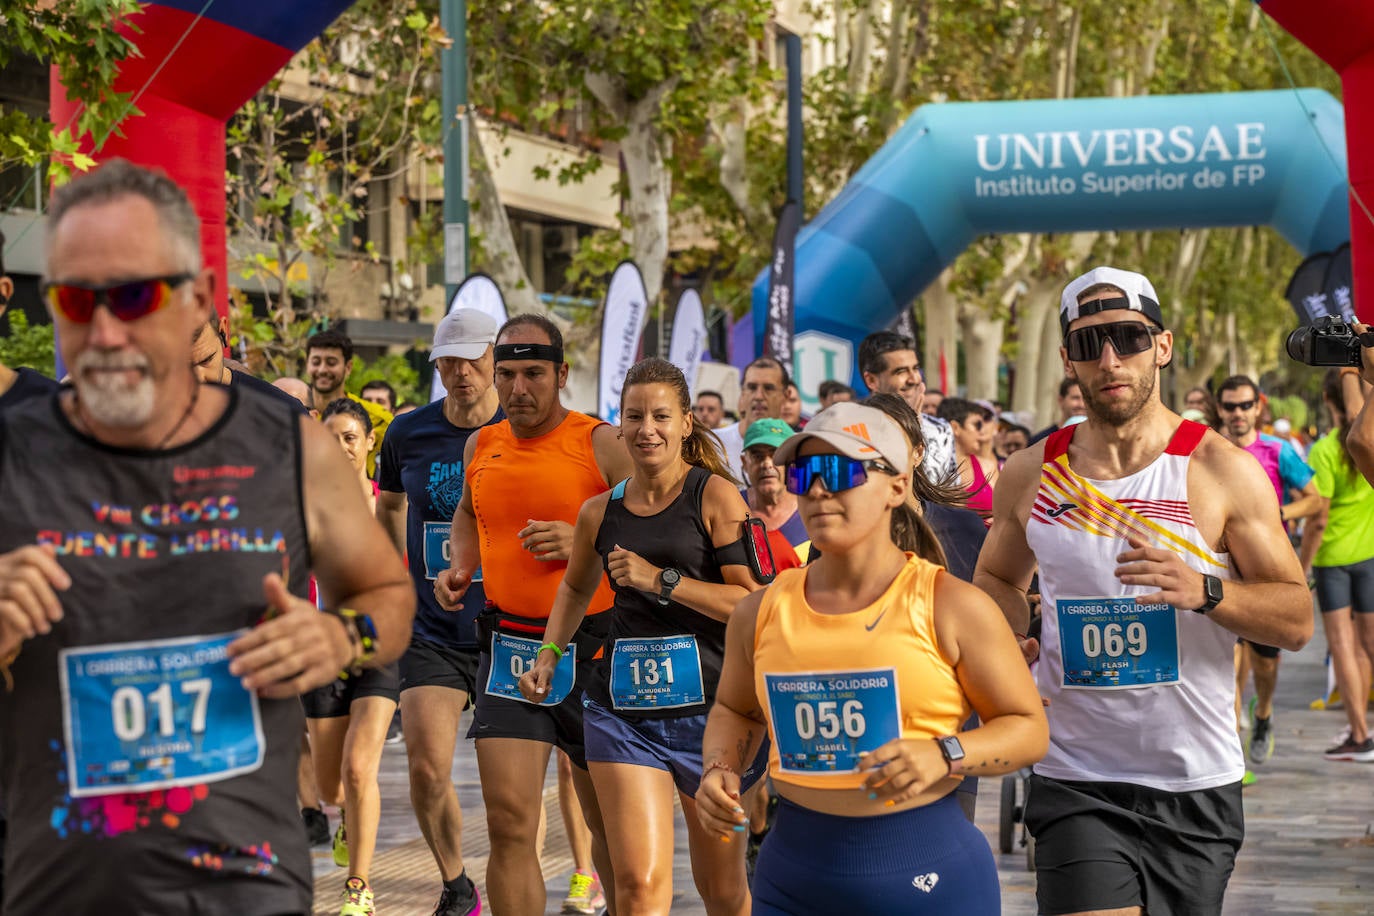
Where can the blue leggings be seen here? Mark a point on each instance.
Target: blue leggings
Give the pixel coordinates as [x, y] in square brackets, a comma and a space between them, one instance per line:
[928, 860]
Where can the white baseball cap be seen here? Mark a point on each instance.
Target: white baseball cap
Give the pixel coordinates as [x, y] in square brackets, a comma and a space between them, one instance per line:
[464, 333]
[1140, 296]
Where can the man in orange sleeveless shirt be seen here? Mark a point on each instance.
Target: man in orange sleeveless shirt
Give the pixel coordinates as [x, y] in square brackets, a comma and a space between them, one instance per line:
[527, 477]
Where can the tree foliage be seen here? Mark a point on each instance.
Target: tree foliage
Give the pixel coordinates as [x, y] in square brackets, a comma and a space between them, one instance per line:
[303, 171]
[27, 345]
[76, 37]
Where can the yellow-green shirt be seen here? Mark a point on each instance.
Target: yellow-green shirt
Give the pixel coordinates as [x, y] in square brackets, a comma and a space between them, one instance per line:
[1349, 536]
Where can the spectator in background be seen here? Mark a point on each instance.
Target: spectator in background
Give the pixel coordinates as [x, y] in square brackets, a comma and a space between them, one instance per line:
[1339, 545]
[328, 360]
[976, 473]
[889, 366]
[709, 410]
[1070, 406]
[832, 392]
[792, 408]
[1201, 400]
[404, 408]
[930, 404]
[1011, 439]
[380, 393]
[763, 389]
[767, 496]
[1283, 429]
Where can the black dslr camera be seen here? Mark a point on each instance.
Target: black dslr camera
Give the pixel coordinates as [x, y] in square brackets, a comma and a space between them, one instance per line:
[1328, 341]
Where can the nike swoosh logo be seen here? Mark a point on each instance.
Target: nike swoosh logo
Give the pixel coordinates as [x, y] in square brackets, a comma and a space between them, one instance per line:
[870, 626]
[519, 350]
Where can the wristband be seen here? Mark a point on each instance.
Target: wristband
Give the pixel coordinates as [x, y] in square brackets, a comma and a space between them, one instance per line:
[718, 765]
[557, 652]
[362, 638]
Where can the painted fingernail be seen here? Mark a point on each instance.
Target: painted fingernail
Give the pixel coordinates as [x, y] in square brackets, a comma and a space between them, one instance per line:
[725, 839]
[889, 803]
[738, 828]
[737, 810]
[872, 796]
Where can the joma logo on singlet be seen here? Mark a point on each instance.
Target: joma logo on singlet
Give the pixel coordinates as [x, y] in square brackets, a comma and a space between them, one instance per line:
[861, 430]
[1061, 509]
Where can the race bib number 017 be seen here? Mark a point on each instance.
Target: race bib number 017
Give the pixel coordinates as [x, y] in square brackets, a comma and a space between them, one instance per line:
[1115, 644]
[512, 656]
[153, 715]
[822, 722]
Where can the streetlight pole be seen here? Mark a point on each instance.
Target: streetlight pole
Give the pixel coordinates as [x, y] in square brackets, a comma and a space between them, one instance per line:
[453, 17]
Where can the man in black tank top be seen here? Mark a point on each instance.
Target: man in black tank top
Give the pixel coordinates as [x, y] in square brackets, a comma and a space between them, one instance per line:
[155, 540]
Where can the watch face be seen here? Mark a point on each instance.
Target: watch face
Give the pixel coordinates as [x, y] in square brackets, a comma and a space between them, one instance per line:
[671, 577]
[952, 749]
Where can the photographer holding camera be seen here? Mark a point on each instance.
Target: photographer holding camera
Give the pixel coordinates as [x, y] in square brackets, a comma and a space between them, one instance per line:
[1354, 386]
[1329, 341]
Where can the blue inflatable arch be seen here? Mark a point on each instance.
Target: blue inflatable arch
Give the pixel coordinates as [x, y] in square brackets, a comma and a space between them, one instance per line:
[959, 170]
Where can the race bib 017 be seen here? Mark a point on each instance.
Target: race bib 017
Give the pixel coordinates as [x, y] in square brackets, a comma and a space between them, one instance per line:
[153, 715]
[512, 656]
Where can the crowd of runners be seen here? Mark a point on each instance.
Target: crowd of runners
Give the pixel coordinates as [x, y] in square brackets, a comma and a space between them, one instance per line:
[812, 635]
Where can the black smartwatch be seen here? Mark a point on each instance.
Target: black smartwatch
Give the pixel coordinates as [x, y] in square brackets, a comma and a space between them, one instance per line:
[1211, 587]
[951, 750]
[668, 580]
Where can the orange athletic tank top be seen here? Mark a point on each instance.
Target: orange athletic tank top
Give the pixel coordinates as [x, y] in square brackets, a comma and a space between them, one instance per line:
[833, 686]
[513, 480]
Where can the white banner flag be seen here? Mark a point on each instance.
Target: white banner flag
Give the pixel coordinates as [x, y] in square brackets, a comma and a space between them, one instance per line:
[622, 323]
[689, 337]
[478, 292]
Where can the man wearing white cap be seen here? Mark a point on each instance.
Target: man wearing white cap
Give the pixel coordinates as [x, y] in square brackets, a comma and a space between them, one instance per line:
[1157, 543]
[421, 484]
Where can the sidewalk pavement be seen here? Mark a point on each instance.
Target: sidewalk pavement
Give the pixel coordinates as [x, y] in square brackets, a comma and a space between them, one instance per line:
[1309, 844]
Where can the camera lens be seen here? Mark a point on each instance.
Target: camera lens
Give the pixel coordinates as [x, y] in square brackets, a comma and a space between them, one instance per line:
[1299, 345]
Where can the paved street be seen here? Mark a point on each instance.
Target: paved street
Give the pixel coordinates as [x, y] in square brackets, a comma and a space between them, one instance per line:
[1308, 847]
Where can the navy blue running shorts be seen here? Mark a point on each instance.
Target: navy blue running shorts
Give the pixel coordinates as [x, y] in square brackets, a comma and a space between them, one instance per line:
[672, 744]
[929, 861]
[1107, 845]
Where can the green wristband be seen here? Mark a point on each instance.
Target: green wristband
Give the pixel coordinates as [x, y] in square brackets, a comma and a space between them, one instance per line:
[558, 653]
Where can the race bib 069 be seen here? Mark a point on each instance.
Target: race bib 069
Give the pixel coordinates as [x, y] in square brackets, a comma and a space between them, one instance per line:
[1114, 643]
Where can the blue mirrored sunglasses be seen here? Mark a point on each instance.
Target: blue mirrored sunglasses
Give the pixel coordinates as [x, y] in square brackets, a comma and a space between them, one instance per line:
[836, 472]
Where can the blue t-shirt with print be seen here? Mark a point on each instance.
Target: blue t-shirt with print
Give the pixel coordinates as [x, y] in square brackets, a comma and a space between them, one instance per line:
[422, 457]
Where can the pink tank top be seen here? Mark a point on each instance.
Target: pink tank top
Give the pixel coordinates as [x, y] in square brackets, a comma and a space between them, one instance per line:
[980, 492]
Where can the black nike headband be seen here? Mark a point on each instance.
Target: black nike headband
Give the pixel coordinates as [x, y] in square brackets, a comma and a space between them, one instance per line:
[529, 351]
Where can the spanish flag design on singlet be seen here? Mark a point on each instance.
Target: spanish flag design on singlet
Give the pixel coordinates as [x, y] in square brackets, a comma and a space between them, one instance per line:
[1138, 693]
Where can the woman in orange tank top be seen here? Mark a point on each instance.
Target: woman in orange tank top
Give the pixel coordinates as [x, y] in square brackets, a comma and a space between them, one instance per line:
[860, 668]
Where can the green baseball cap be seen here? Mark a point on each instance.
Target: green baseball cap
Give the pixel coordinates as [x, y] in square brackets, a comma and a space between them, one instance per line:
[767, 431]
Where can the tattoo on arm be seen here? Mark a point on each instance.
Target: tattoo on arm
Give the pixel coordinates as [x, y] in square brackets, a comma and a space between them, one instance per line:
[742, 749]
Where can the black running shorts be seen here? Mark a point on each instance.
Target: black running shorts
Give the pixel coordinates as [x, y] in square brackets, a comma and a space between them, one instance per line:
[431, 664]
[1106, 845]
[561, 725]
[335, 698]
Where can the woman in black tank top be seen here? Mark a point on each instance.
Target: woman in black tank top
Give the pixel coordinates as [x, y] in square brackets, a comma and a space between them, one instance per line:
[669, 539]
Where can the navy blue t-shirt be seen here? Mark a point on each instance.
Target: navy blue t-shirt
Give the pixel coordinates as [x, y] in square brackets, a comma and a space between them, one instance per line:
[422, 457]
[28, 383]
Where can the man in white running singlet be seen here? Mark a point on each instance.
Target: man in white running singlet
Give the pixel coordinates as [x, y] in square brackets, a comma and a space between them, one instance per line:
[1157, 544]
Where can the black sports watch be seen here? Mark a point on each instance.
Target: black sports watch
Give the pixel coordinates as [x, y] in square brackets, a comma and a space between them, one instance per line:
[1211, 587]
[668, 580]
[951, 750]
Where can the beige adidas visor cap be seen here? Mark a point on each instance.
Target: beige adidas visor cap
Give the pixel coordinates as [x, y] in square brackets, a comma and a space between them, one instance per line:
[855, 430]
